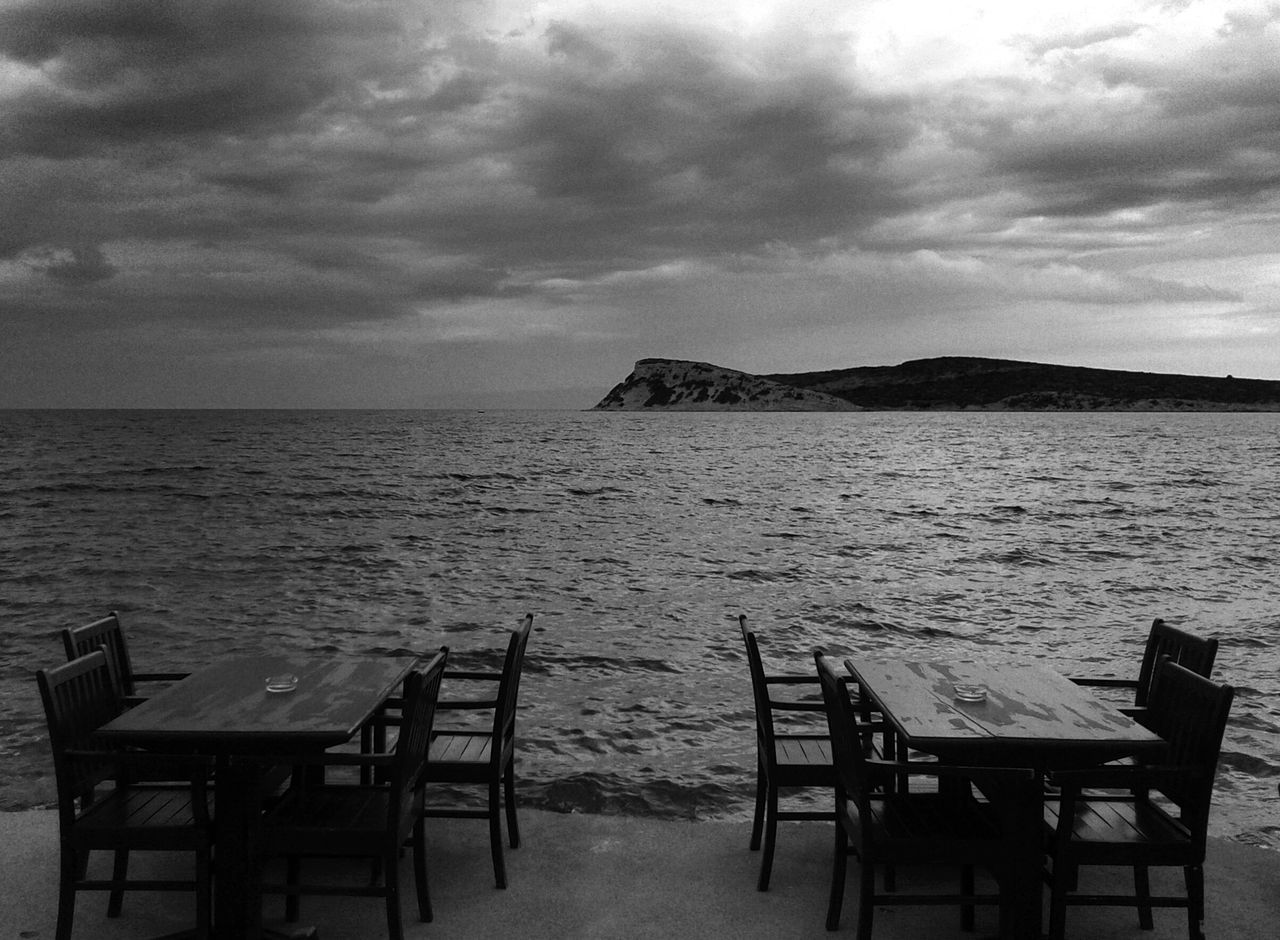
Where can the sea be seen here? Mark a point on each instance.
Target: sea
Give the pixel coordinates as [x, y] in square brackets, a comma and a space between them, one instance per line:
[636, 540]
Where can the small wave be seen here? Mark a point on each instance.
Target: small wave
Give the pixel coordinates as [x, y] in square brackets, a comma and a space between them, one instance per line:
[610, 794]
[1251, 764]
[1021, 557]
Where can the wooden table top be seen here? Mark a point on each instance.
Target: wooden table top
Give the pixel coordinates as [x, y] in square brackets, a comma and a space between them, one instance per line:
[226, 706]
[1032, 716]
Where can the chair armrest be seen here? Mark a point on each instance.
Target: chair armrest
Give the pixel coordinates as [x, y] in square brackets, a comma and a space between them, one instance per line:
[159, 676]
[777, 706]
[342, 759]
[1115, 776]
[791, 680]
[473, 674]
[1104, 682]
[921, 768]
[465, 703]
[200, 765]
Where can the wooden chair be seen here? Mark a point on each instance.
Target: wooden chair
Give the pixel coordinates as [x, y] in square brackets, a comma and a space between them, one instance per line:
[359, 820]
[1133, 829]
[887, 826]
[1194, 652]
[782, 760]
[79, 697]
[106, 634]
[460, 756]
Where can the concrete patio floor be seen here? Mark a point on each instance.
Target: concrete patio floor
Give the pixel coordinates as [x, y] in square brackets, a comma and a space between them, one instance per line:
[582, 876]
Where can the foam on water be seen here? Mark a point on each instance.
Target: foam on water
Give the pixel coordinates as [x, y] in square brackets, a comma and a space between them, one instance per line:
[636, 540]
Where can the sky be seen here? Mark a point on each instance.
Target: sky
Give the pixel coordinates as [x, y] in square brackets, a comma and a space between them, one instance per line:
[482, 203]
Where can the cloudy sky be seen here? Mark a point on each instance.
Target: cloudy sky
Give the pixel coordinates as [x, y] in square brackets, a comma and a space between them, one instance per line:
[486, 203]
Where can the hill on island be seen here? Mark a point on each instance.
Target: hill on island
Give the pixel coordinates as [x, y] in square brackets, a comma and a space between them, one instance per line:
[949, 383]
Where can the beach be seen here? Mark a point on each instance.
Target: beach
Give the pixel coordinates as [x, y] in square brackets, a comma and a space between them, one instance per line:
[594, 876]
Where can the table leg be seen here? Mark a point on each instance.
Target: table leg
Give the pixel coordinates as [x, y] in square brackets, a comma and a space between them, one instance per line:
[237, 898]
[1020, 917]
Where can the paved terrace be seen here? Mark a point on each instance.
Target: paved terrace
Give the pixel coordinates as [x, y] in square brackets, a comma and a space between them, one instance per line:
[580, 876]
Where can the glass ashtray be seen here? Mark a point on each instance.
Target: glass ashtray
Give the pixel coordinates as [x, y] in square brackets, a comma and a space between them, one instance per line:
[971, 693]
[282, 683]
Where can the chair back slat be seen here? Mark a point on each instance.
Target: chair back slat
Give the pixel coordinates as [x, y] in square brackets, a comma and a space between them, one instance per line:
[79, 698]
[504, 714]
[421, 692]
[105, 634]
[1190, 712]
[847, 745]
[1193, 652]
[759, 689]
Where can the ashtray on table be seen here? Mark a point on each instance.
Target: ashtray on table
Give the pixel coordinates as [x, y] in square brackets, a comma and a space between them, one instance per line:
[284, 683]
[971, 693]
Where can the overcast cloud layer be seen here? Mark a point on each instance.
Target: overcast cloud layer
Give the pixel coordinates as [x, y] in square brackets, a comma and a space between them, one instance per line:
[326, 203]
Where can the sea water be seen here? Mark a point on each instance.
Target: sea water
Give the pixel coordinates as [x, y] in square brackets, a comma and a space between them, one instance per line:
[636, 540]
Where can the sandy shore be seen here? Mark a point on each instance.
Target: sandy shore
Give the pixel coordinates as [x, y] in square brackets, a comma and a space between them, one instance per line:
[610, 876]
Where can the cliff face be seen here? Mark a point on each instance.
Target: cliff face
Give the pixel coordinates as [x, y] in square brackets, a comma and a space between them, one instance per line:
[677, 385]
[941, 384]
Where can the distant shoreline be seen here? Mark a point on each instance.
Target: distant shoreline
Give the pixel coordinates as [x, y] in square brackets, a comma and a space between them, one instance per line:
[954, 384]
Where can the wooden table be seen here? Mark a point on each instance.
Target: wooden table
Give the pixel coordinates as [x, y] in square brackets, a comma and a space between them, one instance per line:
[1032, 717]
[226, 711]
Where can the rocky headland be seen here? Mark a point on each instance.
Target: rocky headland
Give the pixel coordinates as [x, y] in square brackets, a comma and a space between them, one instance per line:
[950, 383]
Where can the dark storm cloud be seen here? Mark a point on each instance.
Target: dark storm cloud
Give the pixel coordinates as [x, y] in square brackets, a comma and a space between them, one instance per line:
[136, 71]
[1197, 128]
[468, 172]
[79, 264]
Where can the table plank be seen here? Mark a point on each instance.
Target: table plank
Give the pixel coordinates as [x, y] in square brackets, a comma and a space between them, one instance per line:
[226, 706]
[1031, 713]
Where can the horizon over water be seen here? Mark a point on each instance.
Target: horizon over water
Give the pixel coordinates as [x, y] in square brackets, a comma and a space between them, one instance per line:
[635, 540]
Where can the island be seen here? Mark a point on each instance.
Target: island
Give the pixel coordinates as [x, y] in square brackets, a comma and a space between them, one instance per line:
[945, 383]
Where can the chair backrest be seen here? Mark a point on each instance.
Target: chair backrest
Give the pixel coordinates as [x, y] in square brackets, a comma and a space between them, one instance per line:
[104, 634]
[1186, 649]
[759, 689]
[504, 714]
[1190, 712]
[421, 692]
[79, 698]
[847, 743]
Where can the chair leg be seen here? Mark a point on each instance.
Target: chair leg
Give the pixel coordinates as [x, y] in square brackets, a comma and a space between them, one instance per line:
[757, 821]
[839, 867]
[509, 785]
[204, 894]
[966, 889]
[1142, 894]
[1194, 877]
[1063, 877]
[770, 837]
[69, 875]
[420, 870]
[293, 871]
[395, 926]
[119, 872]
[495, 834]
[866, 899]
